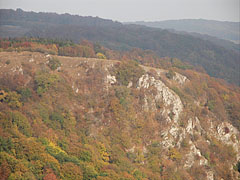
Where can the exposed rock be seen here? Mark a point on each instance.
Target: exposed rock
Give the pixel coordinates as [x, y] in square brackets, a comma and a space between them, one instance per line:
[17, 69]
[172, 107]
[111, 79]
[190, 157]
[193, 126]
[164, 94]
[180, 79]
[131, 149]
[130, 84]
[31, 60]
[228, 135]
[210, 175]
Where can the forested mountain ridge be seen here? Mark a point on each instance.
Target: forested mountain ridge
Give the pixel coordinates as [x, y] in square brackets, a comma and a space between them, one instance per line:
[221, 29]
[216, 60]
[217, 41]
[90, 117]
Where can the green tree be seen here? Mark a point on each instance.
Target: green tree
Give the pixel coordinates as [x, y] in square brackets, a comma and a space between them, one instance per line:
[54, 63]
[128, 71]
[44, 81]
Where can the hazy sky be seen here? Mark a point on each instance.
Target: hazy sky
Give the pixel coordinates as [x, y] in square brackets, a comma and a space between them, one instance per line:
[135, 10]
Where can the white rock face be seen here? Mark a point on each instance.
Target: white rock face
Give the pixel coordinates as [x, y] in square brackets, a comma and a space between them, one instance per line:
[190, 157]
[131, 149]
[190, 126]
[193, 126]
[173, 134]
[111, 79]
[180, 79]
[17, 69]
[31, 60]
[171, 110]
[130, 84]
[164, 94]
[228, 135]
[210, 175]
[77, 90]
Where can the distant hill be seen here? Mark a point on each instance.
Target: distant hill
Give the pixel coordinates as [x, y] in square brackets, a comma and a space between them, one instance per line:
[221, 29]
[216, 60]
[217, 41]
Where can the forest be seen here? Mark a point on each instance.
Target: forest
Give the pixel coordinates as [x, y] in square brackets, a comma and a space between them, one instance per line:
[83, 111]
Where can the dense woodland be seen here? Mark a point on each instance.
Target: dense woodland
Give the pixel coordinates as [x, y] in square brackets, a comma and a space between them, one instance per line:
[221, 29]
[51, 131]
[218, 61]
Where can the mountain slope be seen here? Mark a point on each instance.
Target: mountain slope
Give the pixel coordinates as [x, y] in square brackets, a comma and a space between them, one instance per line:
[219, 42]
[221, 29]
[216, 60]
[87, 118]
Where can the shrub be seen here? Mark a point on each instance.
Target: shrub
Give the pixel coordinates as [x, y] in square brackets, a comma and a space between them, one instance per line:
[101, 56]
[3, 96]
[44, 81]
[170, 74]
[71, 171]
[22, 123]
[128, 71]
[44, 114]
[123, 94]
[89, 172]
[184, 143]
[62, 144]
[211, 105]
[103, 152]
[237, 167]
[5, 145]
[13, 99]
[138, 174]
[85, 156]
[174, 154]
[57, 117]
[179, 64]
[54, 63]
[25, 94]
[8, 62]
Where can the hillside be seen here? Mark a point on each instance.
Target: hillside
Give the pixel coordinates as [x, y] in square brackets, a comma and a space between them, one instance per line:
[216, 60]
[219, 42]
[220, 29]
[88, 118]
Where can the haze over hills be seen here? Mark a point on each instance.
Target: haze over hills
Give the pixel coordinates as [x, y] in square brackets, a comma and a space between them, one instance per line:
[216, 60]
[217, 41]
[220, 29]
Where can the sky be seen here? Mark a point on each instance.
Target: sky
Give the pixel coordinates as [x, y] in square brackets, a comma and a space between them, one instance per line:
[135, 10]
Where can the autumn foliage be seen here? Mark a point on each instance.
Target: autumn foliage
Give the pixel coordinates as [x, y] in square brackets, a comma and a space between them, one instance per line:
[61, 119]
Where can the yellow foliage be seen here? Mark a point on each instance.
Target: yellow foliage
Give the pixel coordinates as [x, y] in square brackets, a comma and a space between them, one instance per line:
[3, 95]
[56, 148]
[225, 97]
[101, 56]
[103, 152]
[12, 98]
[174, 154]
